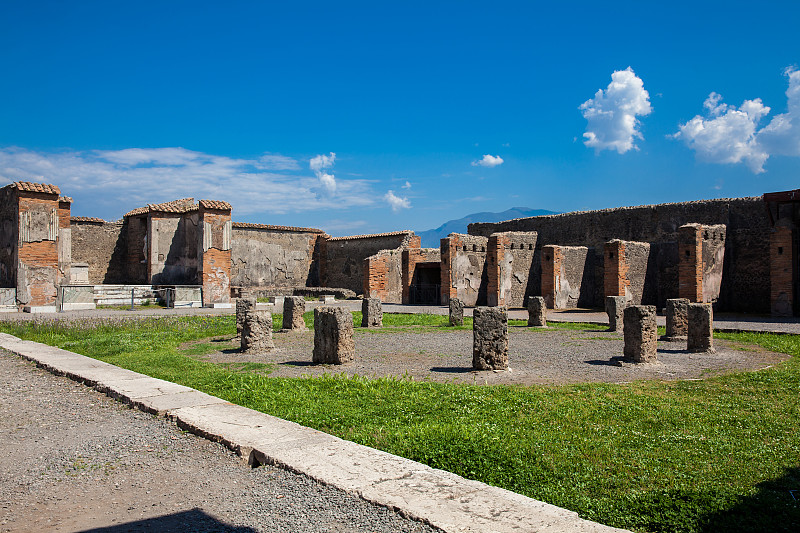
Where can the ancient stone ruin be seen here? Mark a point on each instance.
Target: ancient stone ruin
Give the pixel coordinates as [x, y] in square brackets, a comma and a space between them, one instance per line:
[293, 309]
[456, 312]
[537, 311]
[677, 319]
[700, 328]
[490, 338]
[257, 332]
[640, 334]
[243, 307]
[333, 336]
[615, 308]
[371, 313]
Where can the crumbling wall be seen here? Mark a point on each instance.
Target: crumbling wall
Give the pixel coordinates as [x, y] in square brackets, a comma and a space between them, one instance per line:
[421, 273]
[135, 229]
[38, 275]
[568, 277]
[744, 285]
[383, 276]
[464, 274]
[8, 237]
[510, 259]
[103, 246]
[173, 250]
[268, 257]
[214, 251]
[628, 272]
[342, 261]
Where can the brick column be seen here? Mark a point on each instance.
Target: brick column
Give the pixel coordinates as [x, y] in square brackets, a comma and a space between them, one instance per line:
[495, 252]
[448, 248]
[215, 252]
[690, 263]
[64, 238]
[615, 276]
[551, 274]
[780, 271]
[376, 270]
[38, 275]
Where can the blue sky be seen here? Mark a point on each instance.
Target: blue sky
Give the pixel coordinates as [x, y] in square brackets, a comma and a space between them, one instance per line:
[309, 113]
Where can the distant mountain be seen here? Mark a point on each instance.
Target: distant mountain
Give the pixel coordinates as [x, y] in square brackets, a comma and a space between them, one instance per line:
[431, 237]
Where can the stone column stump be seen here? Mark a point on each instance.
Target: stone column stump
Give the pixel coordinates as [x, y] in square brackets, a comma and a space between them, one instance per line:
[615, 307]
[537, 311]
[293, 309]
[371, 313]
[677, 319]
[490, 338]
[243, 306]
[257, 332]
[640, 334]
[700, 337]
[456, 312]
[333, 336]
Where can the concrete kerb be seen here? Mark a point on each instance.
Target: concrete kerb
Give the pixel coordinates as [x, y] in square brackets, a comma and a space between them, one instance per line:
[436, 497]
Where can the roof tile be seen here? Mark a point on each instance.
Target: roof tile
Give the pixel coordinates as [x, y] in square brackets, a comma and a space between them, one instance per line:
[29, 186]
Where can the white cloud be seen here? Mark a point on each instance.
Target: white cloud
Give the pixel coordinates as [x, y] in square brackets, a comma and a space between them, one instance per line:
[782, 135]
[407, 185]
[611, 114]
[277, 162]
[726, 134]
[318, 164]
[396, 202]
[109, 183]
[488, 161]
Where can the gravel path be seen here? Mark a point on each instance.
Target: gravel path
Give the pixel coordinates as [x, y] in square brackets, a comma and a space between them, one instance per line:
[536, 356]
[71, 459]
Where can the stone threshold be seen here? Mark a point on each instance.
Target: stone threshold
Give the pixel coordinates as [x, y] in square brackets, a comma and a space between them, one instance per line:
[435, 497]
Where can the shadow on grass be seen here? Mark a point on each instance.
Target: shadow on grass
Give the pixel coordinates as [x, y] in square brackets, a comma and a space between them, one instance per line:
[774, 507]
[194, 520]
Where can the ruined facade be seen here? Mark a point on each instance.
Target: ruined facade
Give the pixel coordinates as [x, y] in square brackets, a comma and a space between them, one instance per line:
[740, 254]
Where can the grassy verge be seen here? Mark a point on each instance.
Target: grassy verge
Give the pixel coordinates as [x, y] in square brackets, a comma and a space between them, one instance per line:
[714, 455]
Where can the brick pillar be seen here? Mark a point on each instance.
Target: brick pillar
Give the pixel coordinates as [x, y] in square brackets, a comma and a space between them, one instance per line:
[215, 256]
[448, 248]
[551, 274]
[64, 238]
[376, 271]
[615, 276]
[496, 251]
[410, 259]
[780, 271]
[38, 275]
[690, 263]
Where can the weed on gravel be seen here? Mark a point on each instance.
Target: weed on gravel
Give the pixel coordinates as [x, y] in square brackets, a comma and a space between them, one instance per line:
[720, 454]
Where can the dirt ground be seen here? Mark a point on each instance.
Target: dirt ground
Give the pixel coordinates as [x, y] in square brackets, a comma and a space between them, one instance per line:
[543, 356]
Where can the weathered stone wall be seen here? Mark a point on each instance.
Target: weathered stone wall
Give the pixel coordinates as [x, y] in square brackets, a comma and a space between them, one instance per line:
[38, 275]
[214, 249]
[419, 266]
[383, 276]
[745, 277]
[464, 274]
[628, 271]
[342, 258]
[9, 226]
[568, 277]
[103, 246]
[173, 249]
[135, 229]
[269, 257]
[510, 259]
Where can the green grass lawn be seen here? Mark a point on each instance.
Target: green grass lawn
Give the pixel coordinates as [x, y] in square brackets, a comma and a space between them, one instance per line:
[721, 454]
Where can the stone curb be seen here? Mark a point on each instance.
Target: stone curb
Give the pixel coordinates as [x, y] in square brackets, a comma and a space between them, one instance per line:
[436, 497]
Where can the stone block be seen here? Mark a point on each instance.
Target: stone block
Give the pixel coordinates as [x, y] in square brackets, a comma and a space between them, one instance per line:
[490, 338]
[293, 309]
[641, 337]
[257, 332]
[8, 297]
[333, 336]
[537, 311]
[700, 336]
[371, 313]
[615, 307]
[456, 312]
[243, 306]
[79, 273]
[677, 319]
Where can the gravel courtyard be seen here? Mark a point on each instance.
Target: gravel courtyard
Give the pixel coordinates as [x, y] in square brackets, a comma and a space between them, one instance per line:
[543, 356]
